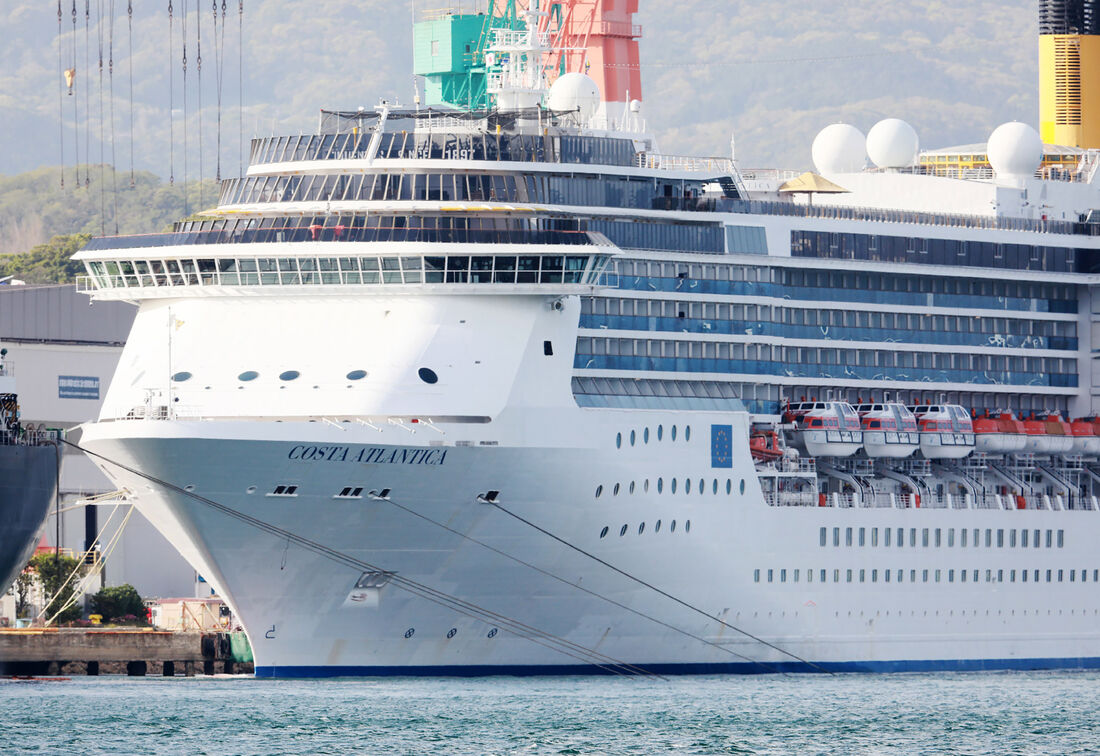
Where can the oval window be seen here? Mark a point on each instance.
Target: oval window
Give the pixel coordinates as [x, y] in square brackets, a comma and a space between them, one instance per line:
[357, 375]
[672, 527]
[632, 438]
[645, 435]
[427, 375]
[181, 377]
[660, 432]
[603, 532]
[618, 440]
[674, 433]
[641, 528]
[622, 531]
[657, 527]
[599, 491]
[248, 375]
[687, 432]
[288, 375]
[660, 485]
[687, 526]
[615, 490]
[742, 486]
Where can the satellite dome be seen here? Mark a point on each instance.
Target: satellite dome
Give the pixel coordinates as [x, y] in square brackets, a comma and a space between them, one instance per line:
[892, 143]
[573, 91]
[839, 148]
[1015, 150]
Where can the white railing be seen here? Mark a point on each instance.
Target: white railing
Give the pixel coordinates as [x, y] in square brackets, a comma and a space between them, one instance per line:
[7, 367]
[683, 163]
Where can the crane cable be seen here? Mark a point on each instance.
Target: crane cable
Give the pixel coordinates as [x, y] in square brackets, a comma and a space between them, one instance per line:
[87, 92]
[240, 87]
[130, 35]
[198, 70]
[183, 25]
[460, 606]
[102, 136]
[61, 89]
[219, 70]
[171, 100]
[111, 82]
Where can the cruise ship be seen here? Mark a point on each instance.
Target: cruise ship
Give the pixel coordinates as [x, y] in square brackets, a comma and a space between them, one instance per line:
[29, 459]
[503, 388]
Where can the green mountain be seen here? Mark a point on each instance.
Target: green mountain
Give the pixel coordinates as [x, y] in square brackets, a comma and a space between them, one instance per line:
[771, 73]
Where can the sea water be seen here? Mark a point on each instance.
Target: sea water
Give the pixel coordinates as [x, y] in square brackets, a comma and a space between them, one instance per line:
[965, 713]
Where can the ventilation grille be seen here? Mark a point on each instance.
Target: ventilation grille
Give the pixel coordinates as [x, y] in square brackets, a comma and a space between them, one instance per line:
[1067, 81]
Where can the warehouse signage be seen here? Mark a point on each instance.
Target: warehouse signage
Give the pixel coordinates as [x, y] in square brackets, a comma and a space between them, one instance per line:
[77, 387]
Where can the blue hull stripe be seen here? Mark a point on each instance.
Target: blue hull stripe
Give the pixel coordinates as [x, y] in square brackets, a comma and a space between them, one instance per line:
[740, 668]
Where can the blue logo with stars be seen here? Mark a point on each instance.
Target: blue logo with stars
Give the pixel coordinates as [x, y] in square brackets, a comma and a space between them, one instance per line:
[721, 446]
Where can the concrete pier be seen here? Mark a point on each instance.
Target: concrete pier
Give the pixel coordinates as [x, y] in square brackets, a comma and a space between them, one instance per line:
[134, 652]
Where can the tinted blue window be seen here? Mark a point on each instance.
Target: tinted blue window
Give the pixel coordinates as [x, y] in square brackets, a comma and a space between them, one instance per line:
[427, 375]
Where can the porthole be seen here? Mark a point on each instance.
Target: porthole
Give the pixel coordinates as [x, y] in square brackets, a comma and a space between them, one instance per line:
[660, 485]
[660, 432]
[641, 528]
[248, 375]
[687, 526]
[687, 432]
[603, 533]
[189, 487]
[715, 487]
[615, 490]
[622, 531]
[687, 485]
[672, 527]
[250, 490]
[632, 438]
[645, 436]
[702, 485]
[672, 486]
[492, 633]
[729, 486]
[599, 491]
[742, 486]
[452, 633]
[631, 486]
[674, 433]
[357, 375]
[645, 485]
[657, 527]
[181, 376]
[288, 375]
[618, 440]
[427, 375]
[409, 633]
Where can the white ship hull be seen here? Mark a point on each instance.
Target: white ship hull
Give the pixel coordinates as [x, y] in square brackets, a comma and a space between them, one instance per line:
[305, 617]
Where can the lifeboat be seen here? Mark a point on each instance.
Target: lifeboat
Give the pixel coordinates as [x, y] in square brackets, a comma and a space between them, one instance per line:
[889, 430]
[1059, 432]
[1013, 434]
[988, 437]
[1085, 440]
[1038, 442]
[946, 431]
[764, 446]
[825, 429]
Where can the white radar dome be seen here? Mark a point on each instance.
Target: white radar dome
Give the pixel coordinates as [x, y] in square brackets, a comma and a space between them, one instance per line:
[573, 91]
[839, 148]
[892, 143]
[1015, 150]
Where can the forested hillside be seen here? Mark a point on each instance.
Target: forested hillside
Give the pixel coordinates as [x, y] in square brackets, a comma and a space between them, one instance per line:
[772, 73]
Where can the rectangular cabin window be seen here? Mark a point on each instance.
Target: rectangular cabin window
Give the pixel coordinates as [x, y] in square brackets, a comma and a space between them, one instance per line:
[1048, 576]
[756, 576]
[1012, 576]
[836, 536]
[989, 576]
[977, 532]
[1012, 538]
[863, 535]
[912, 576]
[937, 576]
[1061, 538]
[1000, 538]
[874, 576]
[1060, 573]
[823, 576]
[824, 536]
[796, 576]
[1036, 540]
[771, 575]
[924, 537]
[1050, 537]
[962, 537]
[950, 537]
[924, 576]
[886, 575]
[938, 537]
[849, 576]
[874, 536]
[782, 576]
[886, 536]
[1000, 576]
[836, 576]
[988, 538]
[913, 537]
[847, 536]
[1023, 538]
[901, 537]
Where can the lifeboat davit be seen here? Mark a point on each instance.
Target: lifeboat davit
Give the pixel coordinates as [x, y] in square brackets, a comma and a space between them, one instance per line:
[825, 429]
[764, 446]
[1038, 442]
[1013, 434]
[1059, 432]
[1085, 440]
[889, 430]
[946, 431]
